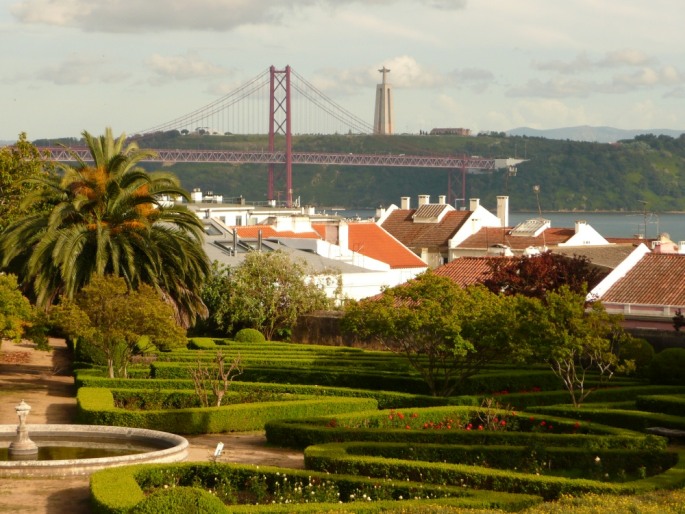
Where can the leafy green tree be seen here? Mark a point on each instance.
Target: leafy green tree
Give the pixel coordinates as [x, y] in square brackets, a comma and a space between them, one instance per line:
[267, 291]
[579, 341]
[108, 217]
[19, 164]
[109, 315]
[17, 316]
[447, 333]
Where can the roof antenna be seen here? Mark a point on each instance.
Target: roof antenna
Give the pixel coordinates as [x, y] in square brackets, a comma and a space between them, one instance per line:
[536, 190]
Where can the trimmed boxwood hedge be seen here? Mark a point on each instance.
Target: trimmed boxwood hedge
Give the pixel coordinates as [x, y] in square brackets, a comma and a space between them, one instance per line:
[95, 406]
[630, 419]
[671, 404]
[385, 399]
[308, 431]
[120, 490]
[336, 459]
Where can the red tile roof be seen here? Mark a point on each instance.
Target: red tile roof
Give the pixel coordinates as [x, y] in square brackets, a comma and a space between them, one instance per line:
[400, 225]
[252, 232]
[657, 279]
[371, 240]
[489, 236]
[467, 271]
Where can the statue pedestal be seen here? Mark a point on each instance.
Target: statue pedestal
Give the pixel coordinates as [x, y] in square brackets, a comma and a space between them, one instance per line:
[22, 448]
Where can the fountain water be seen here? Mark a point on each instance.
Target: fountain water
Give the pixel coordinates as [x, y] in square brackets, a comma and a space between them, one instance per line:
[116, 446]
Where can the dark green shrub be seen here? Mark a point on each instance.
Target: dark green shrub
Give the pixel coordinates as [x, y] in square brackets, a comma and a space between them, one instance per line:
[640, 351]
[85, 351]
[249, 335]
[668, 367]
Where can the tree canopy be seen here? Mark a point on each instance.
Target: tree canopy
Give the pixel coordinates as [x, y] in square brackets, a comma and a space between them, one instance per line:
[576, 339]
[19, 165]
[267, 291]
[109, 315]
[105, 217]
[536, 275]
[17, 316]
[447, 333]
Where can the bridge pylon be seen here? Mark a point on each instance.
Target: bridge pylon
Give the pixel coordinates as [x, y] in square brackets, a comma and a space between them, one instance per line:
[280, 123]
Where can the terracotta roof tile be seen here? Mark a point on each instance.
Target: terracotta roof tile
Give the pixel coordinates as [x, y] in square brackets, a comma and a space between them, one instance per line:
[371, 240]
[489, 236]
[467, 271]
[657, 279]
[400, 225]
[252, 232]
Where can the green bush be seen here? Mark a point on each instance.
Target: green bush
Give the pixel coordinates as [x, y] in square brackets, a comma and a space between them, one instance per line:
[201, 343]
[180, 499]
[668, 367]
[641, 352]
[249, 335]
[85, 351]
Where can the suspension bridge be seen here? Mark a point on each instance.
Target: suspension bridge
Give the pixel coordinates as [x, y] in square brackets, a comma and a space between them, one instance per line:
[283, 103]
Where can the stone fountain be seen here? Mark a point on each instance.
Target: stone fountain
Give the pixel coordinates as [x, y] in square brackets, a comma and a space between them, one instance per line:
[120, 445]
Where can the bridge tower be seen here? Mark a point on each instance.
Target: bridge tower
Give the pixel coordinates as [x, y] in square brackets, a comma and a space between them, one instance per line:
[280, 123]
[383, 114]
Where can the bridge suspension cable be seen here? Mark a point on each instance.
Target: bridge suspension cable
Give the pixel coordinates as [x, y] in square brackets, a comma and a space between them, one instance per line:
[246, 111]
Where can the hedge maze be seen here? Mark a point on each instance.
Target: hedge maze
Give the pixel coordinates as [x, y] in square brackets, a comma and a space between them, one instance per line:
[374, 441]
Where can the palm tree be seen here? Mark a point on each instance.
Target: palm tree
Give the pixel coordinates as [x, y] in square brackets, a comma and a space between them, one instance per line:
[108, 218]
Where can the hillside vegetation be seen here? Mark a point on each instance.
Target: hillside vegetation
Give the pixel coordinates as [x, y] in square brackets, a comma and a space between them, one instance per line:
[572, 175]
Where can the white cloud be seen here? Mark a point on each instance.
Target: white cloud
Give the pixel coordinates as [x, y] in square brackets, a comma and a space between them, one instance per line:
[81, 70]
[169, 15]
[182, 67]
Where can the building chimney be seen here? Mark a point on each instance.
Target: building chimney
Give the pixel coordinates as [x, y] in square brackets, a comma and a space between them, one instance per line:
[474, 203]
[405, 202]
[442, 199]
[343, 235]
[424, 200]
[503, 210]
[580, 224]
[196, 195]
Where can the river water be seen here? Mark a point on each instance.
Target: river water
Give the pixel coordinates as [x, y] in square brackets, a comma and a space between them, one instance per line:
[608, 224]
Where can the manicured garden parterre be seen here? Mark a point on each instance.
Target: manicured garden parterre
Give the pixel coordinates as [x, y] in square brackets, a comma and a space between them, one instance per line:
[375, 441]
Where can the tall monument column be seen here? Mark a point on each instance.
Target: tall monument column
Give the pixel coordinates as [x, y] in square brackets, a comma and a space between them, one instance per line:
[383, 114]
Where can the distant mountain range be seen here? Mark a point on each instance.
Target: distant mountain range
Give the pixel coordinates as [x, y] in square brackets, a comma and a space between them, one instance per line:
[591, 134]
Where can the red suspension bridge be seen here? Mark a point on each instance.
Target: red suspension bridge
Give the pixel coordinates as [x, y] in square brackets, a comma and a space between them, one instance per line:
[229, 112]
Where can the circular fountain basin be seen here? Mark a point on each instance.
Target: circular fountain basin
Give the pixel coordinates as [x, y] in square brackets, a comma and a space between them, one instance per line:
[141, 446]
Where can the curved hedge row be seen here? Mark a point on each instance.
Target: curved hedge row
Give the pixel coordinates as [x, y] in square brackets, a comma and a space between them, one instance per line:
[625, 418]
[121, 490]
[385, 399]
[671, 404]
[95, 406]
[300, 433]
[337, 458]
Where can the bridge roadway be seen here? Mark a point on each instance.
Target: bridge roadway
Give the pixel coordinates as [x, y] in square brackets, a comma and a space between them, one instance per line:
[63, 154]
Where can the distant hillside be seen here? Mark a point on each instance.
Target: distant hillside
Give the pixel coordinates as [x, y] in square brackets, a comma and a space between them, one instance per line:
[572, 175]
[591, 134]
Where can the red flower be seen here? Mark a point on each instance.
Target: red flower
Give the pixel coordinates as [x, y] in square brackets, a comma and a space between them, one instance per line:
[400, 415]
[503, 423]
[480, 427]
[408, 427]
[543, 423]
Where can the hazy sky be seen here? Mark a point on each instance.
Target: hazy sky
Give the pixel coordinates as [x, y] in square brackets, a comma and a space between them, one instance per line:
[489, 65]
